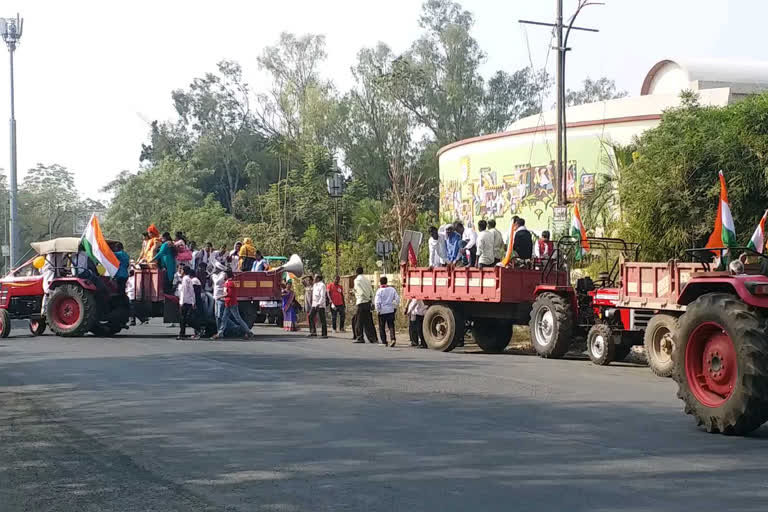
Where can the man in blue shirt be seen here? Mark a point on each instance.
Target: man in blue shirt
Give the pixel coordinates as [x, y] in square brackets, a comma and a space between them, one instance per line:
[452, 245]
[121, 276]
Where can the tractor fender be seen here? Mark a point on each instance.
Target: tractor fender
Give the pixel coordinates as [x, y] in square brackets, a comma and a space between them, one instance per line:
[738, 286]
[564, 291]
[83, 283]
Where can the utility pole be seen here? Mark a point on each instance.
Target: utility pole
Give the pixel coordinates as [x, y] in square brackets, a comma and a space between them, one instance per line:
[561, 140]
[10, 29]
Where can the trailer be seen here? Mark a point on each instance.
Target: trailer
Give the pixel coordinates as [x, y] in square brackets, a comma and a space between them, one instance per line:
[485, 301]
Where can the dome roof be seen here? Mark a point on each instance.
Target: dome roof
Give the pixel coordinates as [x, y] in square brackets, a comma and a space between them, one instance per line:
[672, 76]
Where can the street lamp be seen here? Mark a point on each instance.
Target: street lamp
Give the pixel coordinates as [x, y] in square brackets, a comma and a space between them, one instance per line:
[335, 182]
[10, 29]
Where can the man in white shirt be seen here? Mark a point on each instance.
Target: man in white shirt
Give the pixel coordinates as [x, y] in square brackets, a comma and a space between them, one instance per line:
[362, 321]
[469, 239]
[499, 248]
[386, 303]
[437, 248]
[219, 277]
[319, 300]
[186, 301]
[485, 249]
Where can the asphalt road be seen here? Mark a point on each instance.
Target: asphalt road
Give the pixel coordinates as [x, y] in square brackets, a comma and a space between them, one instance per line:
[143, 422]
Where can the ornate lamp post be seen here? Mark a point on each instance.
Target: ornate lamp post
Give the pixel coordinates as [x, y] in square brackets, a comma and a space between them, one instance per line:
[335, 182]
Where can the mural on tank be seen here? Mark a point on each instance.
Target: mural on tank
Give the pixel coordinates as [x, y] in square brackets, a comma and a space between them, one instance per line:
[515, 180]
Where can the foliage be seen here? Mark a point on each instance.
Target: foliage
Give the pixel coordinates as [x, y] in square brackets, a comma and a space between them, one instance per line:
[594, 90]
[669, 193]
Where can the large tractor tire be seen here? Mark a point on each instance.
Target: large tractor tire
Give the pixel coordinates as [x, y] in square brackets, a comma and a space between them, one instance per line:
[551, 325]
[443, 327]
[659, 341]
[5, 323]
[600, 344]
[71, 311]
[37, 326]
[492, 336]
[721, 364]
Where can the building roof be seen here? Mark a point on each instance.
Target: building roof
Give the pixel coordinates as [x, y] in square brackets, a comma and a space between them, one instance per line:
[671, 76]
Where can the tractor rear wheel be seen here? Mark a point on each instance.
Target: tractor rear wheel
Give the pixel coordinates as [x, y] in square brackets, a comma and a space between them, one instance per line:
[659, 341]
[37, 326]
[71, 311]
[721, 364]
[443, 327]
[551, 325]
[5, 323]
[491, 335]
[600, 345]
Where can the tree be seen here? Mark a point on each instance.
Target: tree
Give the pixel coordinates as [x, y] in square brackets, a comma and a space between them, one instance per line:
[594, 90]
[300, 107]
[375, 128]
[439, 82]
[153, 195]
[669, 193]
[48, 202]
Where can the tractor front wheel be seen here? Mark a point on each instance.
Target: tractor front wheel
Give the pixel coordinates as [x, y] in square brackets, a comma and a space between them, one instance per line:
[600, 345]
[551, 325]
[492, 336]
[37, 326]
[721, 364]
[5, 323]
[659, 341]
[71, 311]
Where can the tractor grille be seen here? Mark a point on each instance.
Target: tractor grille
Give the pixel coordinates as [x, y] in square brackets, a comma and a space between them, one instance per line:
[4, 296]
[639, 318]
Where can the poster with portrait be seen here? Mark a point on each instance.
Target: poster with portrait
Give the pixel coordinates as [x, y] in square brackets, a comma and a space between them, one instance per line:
[587, 184]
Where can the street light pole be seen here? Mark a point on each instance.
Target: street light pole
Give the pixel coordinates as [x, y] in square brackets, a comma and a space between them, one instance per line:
[335, 182]
[10, 29]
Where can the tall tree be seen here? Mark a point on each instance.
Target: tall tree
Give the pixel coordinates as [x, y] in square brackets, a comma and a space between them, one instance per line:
[300, 106]
[438, 79]
[375, 129]
[594, 90]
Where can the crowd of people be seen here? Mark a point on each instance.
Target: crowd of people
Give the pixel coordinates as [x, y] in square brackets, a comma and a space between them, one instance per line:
[459, 245]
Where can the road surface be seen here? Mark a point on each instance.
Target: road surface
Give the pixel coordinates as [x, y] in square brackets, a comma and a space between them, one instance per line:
[143, 422]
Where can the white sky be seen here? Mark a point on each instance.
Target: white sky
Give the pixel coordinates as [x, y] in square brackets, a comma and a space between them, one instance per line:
[90, 75]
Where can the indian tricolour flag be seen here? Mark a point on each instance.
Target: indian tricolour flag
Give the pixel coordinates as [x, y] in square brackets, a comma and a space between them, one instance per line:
[578, 231]
[97, 249]
[724, 234]
[757, 242]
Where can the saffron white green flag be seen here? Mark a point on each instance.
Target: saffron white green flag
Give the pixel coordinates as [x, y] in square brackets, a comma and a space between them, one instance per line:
[757, 242]
[578, 231]
[97, 248]
[724, 234]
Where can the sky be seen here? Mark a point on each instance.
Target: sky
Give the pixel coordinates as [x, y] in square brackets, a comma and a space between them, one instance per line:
[92, 75]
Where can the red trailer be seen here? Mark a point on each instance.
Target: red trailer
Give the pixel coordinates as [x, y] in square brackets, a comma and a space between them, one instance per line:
[487, 301]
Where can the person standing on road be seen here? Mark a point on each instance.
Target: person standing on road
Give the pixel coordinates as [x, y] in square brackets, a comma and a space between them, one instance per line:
[338, 307]
[231, 317]
[485, 249]
[415, 312]
[289, 308]
[219, 277]
[386, 303]
[306, 281]
[363, 319]
[186, 302]
[319, 301]
[499, 249]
